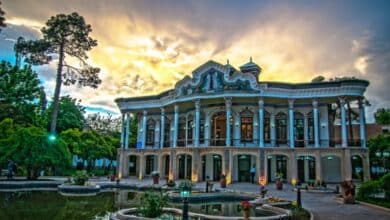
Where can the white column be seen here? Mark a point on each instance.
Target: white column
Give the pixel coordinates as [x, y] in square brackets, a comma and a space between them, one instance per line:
[316, 126]
[127, 131]
[228, 102]
[144, 119]
[162, 128]
[176, 125]
[362, 117]
[123, 131]
[261, 123]
[197, 122]
[344, 142]
[291, 122]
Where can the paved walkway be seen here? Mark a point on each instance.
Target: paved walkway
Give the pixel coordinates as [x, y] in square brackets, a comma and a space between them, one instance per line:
[323, 206]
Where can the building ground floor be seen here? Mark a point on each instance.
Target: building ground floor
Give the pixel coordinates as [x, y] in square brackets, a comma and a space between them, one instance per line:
[331, 165]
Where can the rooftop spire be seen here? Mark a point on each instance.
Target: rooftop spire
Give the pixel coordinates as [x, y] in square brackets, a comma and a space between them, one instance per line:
[227, 61]
[250, 59]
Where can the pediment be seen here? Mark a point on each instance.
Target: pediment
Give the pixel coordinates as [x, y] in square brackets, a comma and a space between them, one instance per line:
[213, 77]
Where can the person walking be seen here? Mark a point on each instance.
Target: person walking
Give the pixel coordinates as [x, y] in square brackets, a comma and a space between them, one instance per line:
[253, 172]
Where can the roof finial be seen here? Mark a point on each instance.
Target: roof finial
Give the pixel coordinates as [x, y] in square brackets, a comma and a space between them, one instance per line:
[250, 59]
[227, 61]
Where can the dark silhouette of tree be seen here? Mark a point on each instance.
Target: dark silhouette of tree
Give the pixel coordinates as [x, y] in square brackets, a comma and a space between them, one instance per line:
[2, 18]
[318, 79]
[64, 36]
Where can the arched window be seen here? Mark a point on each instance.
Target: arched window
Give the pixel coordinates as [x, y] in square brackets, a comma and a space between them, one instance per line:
[246, 126]
[267, 127]
[281, 128]
[150, 126]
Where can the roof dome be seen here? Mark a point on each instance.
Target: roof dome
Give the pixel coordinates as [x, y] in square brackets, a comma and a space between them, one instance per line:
[251, 67]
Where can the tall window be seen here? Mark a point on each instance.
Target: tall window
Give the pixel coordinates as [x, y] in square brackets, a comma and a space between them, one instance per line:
[281, 128]
[167, 131]
[267, 127]
[150, 126]
[190, 128]
[299, 130]
[310, 122]
[246, 126]
[201, 129]
[182, 132]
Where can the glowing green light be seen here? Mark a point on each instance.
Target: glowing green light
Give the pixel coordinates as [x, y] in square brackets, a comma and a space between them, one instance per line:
[52, 137]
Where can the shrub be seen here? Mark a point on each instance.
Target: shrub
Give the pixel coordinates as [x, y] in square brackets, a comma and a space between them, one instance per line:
[368, 188]
[385, 180]
[299, 214]
[151, 204]
[155, 174]
[171, 183]
[80, 177]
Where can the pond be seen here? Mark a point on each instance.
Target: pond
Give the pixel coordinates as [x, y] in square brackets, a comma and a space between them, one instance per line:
[51, 205]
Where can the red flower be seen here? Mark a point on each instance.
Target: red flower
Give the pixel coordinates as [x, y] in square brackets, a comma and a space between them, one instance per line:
[246, 205]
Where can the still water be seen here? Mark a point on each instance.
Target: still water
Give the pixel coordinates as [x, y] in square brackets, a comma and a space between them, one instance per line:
[42, 205]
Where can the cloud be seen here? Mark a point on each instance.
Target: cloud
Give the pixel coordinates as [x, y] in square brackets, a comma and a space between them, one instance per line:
[145, 47]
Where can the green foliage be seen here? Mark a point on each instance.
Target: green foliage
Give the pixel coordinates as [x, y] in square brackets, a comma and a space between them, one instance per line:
[171, 183]
[381, 144]
[186, 184]
[299, 213]
[318, 79]
[70, 114]
[72, 140]
[20, 94]
[80, 177]
[382, 116]
[29, 147]
[151, 204]
[64, 36]
[369, 188]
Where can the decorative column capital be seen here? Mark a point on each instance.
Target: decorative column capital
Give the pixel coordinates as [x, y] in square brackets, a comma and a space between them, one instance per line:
[291, 103]
[341, 100]
[228, 102]
[162, 110]
[361, 102]
[197, 104]
[145, 113]
[261, 103]
[176, 108]
[315, 103]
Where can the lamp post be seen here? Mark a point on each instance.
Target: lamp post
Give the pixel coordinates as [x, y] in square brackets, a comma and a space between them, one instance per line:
[185, 192]
[383, 155]
[298, 188]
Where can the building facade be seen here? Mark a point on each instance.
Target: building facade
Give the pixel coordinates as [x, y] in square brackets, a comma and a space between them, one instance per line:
[225, 121]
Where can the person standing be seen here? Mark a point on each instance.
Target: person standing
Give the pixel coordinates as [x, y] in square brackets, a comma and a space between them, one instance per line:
[10, 169]
[253, 172]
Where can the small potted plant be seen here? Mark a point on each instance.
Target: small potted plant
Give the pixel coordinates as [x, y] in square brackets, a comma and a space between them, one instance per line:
[156, 177]
[263, 191]
[279, 181]
[171, 183]
[223, 181]
[246, 207]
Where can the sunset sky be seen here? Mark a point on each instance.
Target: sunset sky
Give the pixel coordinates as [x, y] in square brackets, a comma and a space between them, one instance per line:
[145, 47]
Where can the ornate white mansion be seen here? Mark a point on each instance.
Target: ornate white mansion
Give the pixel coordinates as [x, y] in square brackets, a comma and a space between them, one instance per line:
[224, 121]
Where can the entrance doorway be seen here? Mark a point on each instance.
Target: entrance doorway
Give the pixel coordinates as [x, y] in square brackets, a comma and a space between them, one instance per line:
[185, 163]
[244, 166]
[306, 168]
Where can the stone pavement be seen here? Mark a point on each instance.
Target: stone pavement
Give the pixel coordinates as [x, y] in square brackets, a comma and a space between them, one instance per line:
[323, 206]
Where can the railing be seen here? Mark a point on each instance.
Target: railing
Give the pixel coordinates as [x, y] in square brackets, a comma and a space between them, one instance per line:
[249, 143]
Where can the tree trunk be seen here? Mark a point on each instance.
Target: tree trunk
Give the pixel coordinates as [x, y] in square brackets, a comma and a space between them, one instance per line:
[57, 91]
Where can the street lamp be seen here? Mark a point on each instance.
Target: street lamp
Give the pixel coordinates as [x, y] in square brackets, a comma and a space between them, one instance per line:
[52, 137]
[185, 192]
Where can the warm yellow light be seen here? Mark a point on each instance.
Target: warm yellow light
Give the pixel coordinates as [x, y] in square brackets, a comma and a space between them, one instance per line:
[119, 175]
[293, 181]
[228, 178]
[170, 176]
[262, 180]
